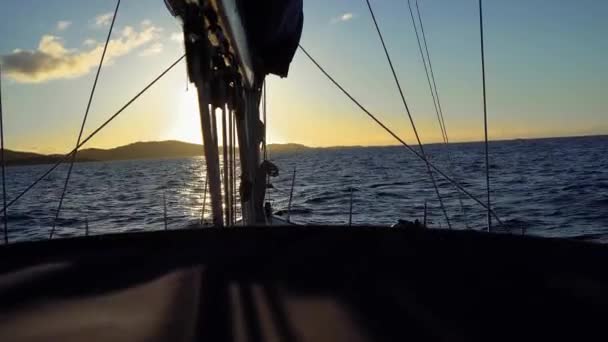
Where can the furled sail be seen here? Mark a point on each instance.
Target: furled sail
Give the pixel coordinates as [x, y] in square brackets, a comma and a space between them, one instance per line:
[273, 29]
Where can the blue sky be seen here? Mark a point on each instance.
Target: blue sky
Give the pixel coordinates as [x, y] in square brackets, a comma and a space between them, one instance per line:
[546, 72]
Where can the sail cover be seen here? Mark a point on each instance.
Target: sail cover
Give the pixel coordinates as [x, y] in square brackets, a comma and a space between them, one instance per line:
[273, 29]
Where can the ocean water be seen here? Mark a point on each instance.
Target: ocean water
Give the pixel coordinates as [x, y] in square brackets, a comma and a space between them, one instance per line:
[546, 187]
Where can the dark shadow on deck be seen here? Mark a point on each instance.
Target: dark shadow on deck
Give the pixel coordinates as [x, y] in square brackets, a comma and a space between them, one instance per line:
[303, 284]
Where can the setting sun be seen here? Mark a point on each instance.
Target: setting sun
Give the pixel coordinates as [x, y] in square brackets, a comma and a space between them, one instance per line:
[186, 126]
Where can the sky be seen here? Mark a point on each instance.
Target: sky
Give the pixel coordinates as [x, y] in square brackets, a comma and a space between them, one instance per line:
[546, 64]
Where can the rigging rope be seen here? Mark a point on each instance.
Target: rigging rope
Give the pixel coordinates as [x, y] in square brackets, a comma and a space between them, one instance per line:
[434, 94]
[485, 116]
[84, 121]
[265, 123]
[90, 136]
[226, 164]
[230, 194]
[233, 165]
[390, 63]
[401, 141]
[5, 215]
[266, 192]
[426, 71]
[204, 202]
[432, 73]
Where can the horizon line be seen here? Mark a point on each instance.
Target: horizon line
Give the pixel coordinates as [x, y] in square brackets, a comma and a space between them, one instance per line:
[317, 147]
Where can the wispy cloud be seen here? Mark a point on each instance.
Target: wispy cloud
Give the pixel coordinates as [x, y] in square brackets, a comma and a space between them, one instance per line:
[153, 49]
[104, 19]
[89, 42]
[63, 25]
[51, 60]
[342, 18]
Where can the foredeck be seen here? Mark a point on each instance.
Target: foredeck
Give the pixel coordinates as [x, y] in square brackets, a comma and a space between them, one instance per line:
[303, 284]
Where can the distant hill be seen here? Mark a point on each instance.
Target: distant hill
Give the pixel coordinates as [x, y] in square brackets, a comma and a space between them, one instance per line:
[138, 150]
[28, 158]
[175, 149]
[143, 150]
[282, 148]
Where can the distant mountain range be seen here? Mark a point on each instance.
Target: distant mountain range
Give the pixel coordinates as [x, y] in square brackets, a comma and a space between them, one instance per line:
[138, 150]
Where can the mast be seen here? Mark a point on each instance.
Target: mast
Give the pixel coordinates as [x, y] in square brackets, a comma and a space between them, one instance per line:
[221, 67]
[253, 180]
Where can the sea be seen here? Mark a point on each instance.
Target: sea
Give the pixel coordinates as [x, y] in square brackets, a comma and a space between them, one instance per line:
[556, 187]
